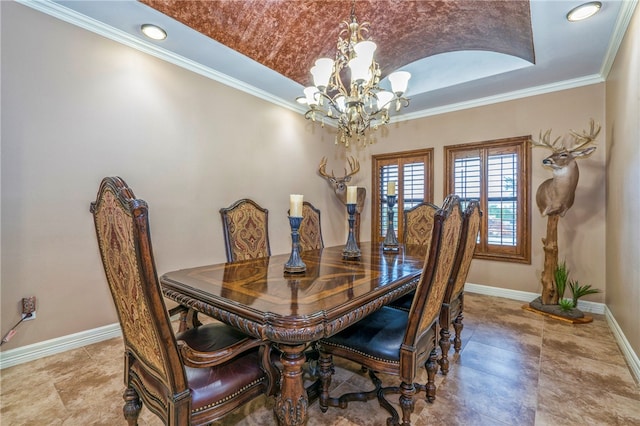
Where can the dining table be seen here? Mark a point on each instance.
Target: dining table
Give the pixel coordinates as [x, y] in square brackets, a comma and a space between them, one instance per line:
[293, 310]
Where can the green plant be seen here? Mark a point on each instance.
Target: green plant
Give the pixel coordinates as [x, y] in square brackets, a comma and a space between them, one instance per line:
[578, 291]
[561, 276]
[566, 304]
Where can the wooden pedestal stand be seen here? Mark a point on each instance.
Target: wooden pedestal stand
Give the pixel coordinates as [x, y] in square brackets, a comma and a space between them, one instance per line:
[550, 245]
[550, 294]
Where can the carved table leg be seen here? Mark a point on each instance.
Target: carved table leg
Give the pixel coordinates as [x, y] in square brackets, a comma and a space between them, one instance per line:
[291, 403]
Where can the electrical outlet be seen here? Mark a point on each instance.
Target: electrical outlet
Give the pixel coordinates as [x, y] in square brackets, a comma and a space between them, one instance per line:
[28, 304]
[30, 317]
[28, 308]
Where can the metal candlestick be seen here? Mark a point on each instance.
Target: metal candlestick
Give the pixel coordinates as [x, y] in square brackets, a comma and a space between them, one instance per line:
[390, 241]
[295, 265]
[351, 250]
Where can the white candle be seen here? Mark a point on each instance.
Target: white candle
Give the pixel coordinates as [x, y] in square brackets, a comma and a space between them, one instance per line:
[391, 188]
[295, 205]
[352, 194]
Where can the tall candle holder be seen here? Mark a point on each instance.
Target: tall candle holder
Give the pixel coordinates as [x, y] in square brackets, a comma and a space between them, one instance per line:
[295, 265]
[351, 250]
[390, 241]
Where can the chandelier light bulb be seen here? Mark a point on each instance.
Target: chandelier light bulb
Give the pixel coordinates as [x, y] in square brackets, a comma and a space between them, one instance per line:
[384, 100]
[322, 72]
[311, 94]
[399, 81]
[365, 50]
[359, 69]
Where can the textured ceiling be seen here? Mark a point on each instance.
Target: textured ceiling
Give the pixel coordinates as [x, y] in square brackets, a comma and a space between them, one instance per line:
[460, 54]
[289, 35]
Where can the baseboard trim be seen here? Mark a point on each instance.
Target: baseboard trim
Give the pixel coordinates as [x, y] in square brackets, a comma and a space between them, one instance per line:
[630, 356]
[12, 357]
[27, 353]
[525, 296]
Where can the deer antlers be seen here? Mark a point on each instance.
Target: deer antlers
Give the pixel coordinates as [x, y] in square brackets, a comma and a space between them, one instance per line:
[354, 165]
[580, 139]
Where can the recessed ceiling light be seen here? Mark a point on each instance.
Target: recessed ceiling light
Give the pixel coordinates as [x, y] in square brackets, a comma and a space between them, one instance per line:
[153, 31]
[584, 11]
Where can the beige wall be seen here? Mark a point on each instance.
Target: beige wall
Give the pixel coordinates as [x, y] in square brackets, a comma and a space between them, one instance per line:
[623, 185]
[581, 233]
[77, 107]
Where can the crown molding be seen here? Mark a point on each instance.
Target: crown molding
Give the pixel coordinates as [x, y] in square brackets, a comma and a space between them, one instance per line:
[72, 17]
[620, 29]
[504, 97]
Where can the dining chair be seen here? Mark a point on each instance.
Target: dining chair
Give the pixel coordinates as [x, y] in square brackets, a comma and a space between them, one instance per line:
[418, 223]
[396, 342]
[453, 303]
[310, 230]
[189, 378]
[246, 230]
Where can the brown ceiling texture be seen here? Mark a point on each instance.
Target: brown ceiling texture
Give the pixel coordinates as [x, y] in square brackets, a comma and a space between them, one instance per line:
[289, 35]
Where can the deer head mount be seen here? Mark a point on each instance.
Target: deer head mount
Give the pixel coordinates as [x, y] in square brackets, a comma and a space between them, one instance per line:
[556, 195]
[339, 184]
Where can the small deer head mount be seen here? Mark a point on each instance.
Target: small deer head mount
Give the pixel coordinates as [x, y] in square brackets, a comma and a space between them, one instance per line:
[339, 184]
[556, 195]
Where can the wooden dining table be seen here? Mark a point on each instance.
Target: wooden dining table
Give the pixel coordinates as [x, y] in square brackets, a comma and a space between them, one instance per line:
[293, 310]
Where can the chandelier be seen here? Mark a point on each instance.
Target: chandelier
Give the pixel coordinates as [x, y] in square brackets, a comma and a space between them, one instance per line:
[353, 100]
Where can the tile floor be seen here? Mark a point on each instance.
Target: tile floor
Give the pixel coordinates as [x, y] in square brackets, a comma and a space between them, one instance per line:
[516, 368]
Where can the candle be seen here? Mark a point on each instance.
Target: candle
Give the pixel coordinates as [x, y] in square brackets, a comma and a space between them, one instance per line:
[295, 205]
[391, 188]
[352, 194]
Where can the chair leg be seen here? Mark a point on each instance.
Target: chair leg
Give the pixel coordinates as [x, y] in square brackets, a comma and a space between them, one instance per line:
[132, 406]
[432, 368]
[407, 390]
[445, 345]
[457, 326]
[325, 371]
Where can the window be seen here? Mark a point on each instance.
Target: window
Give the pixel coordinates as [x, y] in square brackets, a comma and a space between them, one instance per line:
[413, 173]
[497, 173]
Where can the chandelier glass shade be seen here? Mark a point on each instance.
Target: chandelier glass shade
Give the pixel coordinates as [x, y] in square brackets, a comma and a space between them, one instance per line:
[346, 90]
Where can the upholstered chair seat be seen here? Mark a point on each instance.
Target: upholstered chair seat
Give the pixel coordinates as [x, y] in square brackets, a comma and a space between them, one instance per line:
[378, 336]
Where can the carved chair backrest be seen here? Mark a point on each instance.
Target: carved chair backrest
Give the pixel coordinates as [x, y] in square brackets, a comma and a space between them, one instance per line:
[310, 229]
[466, 248]
[430, 292]
[122, 230]
[418, 224]
[246, 230]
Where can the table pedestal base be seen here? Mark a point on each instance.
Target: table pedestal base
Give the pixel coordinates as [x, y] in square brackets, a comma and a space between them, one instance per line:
[292, 402]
